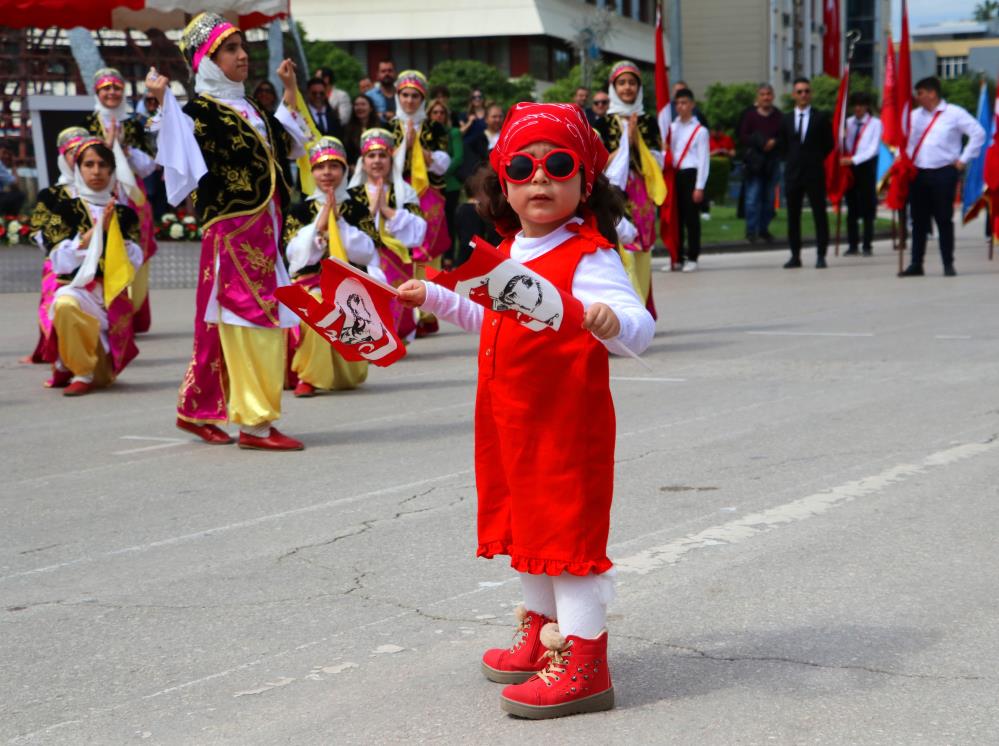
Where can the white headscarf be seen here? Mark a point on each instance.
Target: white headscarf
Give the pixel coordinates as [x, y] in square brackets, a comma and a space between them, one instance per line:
[404, 193]
[119, 113]
[211, 80]
[100, 198]
[340, 194]
[617, 106]
[399, 156]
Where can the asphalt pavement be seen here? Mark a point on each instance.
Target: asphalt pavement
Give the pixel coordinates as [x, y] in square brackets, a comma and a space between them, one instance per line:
[804, 526]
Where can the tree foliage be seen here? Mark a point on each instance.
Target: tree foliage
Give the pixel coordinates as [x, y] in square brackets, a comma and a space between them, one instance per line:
[461, 76]
[987, 10]
[963, 91]
[347, 70]
[725, 102]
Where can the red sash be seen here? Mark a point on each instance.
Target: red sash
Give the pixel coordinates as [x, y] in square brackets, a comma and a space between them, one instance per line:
[915, 151]
[690, 141]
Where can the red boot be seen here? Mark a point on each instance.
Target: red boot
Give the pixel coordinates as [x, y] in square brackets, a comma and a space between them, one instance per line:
[304, 390]
[78, 388]
[576, 679]
[525, 657]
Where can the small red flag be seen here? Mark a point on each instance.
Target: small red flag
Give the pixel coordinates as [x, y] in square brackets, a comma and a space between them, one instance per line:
[669, 219]
[506, 286]
[354, 315]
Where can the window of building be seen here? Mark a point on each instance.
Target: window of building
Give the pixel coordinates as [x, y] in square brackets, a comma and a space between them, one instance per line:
[951, 67]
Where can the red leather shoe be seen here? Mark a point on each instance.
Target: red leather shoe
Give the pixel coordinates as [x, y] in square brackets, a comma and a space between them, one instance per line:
[275, 441]
[525, 657]
[305, 390]
[209, 433]
[78, 388]
[576, 680]
[60, 379]
[426, 328]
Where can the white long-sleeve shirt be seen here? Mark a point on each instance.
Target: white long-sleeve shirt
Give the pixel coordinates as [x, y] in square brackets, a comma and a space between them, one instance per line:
[698, 155]
[942, 145]
[599, 278]
[870, 138]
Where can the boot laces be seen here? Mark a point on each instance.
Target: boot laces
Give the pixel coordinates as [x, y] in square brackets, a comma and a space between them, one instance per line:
[557, 665]
[520, 635]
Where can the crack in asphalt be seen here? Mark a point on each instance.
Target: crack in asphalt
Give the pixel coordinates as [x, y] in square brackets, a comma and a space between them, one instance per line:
[698, 653]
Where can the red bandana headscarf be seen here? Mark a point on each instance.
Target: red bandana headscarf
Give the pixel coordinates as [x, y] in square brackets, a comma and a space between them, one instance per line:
[563, 125]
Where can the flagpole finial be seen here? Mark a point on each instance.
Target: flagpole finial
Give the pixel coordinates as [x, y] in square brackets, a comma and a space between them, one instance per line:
[852, 37]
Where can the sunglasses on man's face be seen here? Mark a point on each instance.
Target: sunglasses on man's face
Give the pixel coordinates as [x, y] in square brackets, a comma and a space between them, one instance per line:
[601, 101]
[802, 90]
[558, 165]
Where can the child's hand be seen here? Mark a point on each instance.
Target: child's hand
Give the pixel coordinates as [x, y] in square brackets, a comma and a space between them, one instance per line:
[602, 321]
[413, 294]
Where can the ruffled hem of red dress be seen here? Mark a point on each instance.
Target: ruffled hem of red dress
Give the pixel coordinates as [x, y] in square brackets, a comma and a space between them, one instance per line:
[539, 566]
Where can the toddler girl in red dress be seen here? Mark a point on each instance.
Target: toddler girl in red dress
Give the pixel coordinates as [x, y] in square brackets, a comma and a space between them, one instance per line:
[544, 419]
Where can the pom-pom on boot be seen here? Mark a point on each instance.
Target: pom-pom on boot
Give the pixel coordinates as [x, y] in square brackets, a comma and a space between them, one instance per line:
[576, 679]
[525, 657]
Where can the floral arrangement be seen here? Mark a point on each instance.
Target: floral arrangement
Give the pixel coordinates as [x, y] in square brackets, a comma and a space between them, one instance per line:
[15, 229]
[178, 226]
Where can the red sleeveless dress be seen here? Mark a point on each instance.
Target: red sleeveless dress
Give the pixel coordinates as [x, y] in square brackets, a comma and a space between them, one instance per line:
[544, 435]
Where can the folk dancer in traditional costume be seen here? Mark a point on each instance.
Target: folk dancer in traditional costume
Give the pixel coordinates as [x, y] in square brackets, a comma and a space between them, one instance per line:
[327, 223]
[114, 122]
[233, 157]
[635, 167]
[92, 243]
[421, 152]
[544, 419]
[67, 142]
[386, 206]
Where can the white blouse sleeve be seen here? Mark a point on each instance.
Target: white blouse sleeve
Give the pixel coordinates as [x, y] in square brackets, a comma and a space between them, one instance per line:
[453, 308]
[439, 162]
[358, 244]
[134, 252]
[303, 249]
[67, 256]
[296, 127]
[600, 278]
[617, 168]
[703, 159]
[141, 162]
[660, 158]
[407, 227]
[177, 150]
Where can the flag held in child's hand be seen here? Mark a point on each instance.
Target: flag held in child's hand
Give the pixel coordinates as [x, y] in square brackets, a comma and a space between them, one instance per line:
[353, 316]
[507, 287]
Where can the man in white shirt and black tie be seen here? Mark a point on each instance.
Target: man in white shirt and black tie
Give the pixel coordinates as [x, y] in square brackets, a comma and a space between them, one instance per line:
[863, 136]
[691, 152]
[324, 115]
[935, 132]
[806, 138]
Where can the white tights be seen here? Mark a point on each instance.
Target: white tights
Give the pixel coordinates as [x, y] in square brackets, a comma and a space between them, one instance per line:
[578, 602]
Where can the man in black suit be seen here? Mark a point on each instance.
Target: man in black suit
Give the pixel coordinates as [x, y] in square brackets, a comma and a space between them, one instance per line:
[324, 115]
[806, 139]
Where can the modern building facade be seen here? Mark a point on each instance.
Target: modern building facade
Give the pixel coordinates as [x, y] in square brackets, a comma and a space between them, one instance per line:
[516, 36]
[950, 50]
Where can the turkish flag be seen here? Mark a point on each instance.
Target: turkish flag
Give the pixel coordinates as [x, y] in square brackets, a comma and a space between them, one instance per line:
[669, 222]
[831, 38]
[839, 178]
[891, 132]
[507, 287]
[353, 315]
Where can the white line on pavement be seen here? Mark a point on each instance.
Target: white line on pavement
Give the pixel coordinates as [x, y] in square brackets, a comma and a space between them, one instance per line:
[810, 334]
[152, 448]
[952, 336]
[754, 524]
[648, 378]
